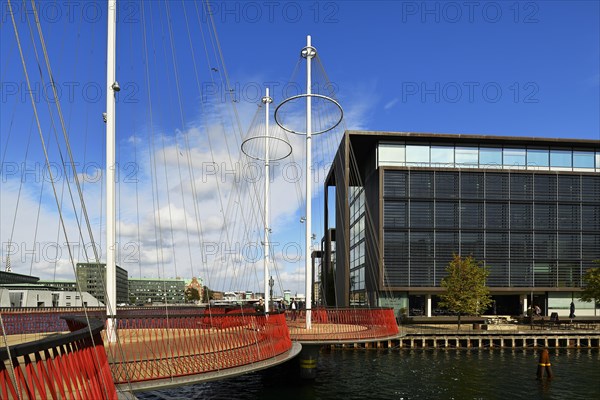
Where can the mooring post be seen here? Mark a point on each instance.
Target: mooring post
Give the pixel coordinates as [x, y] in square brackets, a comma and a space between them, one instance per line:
[308, 358]
[544, 365]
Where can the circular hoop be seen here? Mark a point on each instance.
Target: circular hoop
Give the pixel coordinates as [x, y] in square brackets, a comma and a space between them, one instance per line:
[309, 95]
[262, 158]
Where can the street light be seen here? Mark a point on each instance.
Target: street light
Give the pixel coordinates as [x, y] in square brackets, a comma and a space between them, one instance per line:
[271, 283]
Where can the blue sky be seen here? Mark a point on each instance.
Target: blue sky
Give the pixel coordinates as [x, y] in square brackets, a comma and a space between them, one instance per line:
[502, 68]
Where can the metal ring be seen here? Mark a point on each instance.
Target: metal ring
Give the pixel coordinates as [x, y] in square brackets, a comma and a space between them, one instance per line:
[262, 158]
[309, 95]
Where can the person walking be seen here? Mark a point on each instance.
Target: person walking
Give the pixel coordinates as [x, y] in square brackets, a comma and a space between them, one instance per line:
[572, 311]
[260, 307]
[294, 308]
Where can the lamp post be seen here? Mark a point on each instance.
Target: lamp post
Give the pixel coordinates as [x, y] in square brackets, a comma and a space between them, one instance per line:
[271, 283]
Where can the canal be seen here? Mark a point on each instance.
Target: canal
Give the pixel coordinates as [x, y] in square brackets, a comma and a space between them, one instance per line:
[413, 374]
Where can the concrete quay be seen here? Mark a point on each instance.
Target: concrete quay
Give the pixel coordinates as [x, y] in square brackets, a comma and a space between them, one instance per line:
[485, 336]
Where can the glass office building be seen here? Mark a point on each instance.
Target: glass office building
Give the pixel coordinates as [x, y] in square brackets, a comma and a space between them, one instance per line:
[92, 279]
[144, 291]
[404, 203]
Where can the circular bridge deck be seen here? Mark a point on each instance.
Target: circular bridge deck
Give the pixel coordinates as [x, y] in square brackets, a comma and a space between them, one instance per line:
[349, 325]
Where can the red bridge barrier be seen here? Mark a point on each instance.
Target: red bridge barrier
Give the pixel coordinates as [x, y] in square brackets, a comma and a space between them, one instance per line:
[151, 344]
[160, 346]
[70, 366]
[344, 324]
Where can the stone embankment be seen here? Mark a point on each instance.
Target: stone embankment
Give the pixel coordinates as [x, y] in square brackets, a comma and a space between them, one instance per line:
[477, 335]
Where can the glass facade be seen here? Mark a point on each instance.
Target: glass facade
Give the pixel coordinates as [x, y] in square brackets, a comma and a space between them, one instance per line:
[532, 229]
[507, 157]
[528, 208]
[149, 290]
[357, 245]
[91, 278]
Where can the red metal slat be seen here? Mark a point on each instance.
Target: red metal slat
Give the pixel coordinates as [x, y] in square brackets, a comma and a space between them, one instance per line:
[33, 378]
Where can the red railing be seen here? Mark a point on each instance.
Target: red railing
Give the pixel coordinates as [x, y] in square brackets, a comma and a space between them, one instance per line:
[158, 347]
[70, 366]
[159, 344]
[343, 324]
[152, 344]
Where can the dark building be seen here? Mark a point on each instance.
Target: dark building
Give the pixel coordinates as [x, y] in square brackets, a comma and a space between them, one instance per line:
[92, 279]
[404, 203]
[7, 278]
[324, 278]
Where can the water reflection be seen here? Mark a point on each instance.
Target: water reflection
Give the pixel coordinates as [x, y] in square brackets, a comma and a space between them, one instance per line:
[413, 374]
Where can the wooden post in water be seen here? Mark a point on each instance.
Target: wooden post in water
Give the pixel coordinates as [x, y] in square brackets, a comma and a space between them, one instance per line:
[544, 365]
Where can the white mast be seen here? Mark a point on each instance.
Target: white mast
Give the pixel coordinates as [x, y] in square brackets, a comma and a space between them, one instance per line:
[266, 101]
[309, 52]
[281, 151]
[111, 88]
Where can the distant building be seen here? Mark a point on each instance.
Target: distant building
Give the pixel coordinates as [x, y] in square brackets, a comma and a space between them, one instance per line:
[30, 297]
[92, 279]
[217, 296]
[11, 277]
[74, 299]
[64, 285]
[287, 295]
[4, 297]
[18, 290]
[324, 280]
[195, 283]
[33, 295]
[156, 290]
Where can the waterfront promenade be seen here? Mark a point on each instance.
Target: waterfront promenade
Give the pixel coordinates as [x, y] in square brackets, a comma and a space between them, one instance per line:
[443, 333]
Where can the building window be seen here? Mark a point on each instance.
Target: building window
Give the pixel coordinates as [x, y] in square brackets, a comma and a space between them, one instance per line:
[538, 158]
[560, 158]
[583, 159]
[417, 154]
[391, 154]
[467, 156]
[490, 156]
[514, 157]
[442, 155]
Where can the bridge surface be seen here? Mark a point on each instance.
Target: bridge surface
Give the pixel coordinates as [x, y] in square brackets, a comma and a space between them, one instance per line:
[69, 359]
[338, 325]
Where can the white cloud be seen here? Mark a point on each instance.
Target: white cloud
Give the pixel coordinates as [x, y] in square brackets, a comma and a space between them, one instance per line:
[185, 204]
[390, 103]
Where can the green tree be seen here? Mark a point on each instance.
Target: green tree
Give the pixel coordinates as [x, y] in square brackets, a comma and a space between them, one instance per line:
[591, 280]
[192, 294]
[466, 291]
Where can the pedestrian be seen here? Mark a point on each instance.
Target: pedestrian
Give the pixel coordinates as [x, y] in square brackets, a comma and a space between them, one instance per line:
[260, 307]
[538, 311]
[572, 311]
[294, 308]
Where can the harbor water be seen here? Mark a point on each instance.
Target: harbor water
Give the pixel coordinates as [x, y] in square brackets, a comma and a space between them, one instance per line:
[413, 374]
